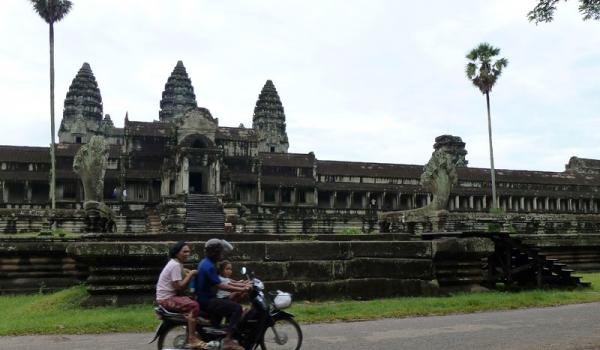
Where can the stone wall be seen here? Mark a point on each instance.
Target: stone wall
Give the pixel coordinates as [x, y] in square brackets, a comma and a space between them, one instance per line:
[509, 222]
[125, 273]
[310, 221]
[15, 221]
[28, 266]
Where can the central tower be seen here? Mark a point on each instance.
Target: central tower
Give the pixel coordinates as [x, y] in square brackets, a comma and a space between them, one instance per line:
[269, 121]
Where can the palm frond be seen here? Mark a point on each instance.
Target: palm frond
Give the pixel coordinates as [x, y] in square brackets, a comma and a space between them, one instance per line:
[52, 10]
[590, 9]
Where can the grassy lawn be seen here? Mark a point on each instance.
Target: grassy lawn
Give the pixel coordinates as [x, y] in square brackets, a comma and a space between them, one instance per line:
[60, 313]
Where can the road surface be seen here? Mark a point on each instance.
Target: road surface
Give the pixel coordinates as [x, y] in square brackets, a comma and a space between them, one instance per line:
[572, 327]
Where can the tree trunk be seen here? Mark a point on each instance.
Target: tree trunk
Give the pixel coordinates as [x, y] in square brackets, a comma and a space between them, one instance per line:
[492, 170]
[52, 145]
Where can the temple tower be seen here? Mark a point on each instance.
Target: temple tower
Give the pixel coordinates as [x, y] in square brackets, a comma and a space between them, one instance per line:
[269, 121]
[178, 96]
[82, 113]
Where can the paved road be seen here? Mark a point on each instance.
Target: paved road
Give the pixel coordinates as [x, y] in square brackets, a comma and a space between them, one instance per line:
[573, 327]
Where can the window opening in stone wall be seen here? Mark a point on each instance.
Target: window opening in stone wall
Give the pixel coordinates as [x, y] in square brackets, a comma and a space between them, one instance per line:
[301, 196]
[286, 195]
[324, 199]
[270, 196]
[357, 201]
[69, 190]
[77, 139]
[272, 149]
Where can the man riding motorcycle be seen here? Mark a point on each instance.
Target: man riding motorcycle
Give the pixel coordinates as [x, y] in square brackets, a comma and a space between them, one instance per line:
[207, 283]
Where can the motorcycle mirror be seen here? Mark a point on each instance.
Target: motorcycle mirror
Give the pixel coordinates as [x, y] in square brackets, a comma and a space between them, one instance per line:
[244, 270]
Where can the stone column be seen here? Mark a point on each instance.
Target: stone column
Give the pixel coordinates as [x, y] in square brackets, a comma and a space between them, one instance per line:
[278, 195]
[547, 204]
[366, 200]
[570, 204]
[456, 202]
[334, 200]
[293, 197]
[522, 203]
[510, 203]
[4, 192]
[484, 202]
[471, 203]
[351, 200]
[28, 191]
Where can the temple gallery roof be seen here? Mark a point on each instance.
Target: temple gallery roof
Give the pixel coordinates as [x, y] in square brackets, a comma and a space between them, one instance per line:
[236, 134]
[153, 129]
[300, 160]
[24, 154]
[339, 168]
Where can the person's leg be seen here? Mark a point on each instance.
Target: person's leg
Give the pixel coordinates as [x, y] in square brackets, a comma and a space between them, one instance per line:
[191, 309]
[233, 312]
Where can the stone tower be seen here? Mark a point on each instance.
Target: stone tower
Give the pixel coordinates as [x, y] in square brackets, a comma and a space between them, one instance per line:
[178, 96]
[82, 114]
[269, 121]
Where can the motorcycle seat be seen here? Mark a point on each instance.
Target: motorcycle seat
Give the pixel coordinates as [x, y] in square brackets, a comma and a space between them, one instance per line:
[202, 318]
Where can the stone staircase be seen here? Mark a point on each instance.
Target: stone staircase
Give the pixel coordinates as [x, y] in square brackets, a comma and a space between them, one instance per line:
[153, 224]
[204, 214]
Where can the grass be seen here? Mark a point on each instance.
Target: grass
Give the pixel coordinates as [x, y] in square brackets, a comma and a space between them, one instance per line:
[61, 313]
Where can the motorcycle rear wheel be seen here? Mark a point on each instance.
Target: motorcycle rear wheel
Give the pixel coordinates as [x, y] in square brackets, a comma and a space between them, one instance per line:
[174, 337]
[285, 334]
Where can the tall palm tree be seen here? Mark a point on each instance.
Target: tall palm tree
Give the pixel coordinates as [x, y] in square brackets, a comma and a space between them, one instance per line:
[52, 11]
[484, 73]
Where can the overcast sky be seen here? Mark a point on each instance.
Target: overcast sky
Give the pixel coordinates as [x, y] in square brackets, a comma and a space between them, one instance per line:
[360, 80]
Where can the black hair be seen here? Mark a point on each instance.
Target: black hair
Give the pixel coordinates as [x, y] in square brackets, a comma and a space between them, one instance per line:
[222, 265]
[176, 249]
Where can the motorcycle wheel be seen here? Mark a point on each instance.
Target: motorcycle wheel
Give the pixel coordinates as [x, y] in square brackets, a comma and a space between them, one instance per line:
[285, 334]
[173, 338]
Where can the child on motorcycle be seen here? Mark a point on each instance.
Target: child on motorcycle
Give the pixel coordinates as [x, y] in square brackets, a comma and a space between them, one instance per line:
[225, 270]
[171, 284]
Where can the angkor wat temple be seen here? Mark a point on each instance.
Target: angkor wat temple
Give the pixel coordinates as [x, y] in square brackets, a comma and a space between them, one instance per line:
[187, 172]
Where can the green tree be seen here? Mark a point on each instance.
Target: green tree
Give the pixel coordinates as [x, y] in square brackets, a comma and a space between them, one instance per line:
[52, 11]
[484, 73]
[544, 10]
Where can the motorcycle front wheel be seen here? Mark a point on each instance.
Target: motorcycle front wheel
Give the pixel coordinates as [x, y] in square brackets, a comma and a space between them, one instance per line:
[285, 334]
[173, 338]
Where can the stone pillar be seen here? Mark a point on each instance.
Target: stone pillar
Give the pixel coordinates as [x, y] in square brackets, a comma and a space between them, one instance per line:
[456, 202]
[570, 204]
[293, 197]
[398, 200]
[333, 201]
[28, 191]
[522, 203]
[278, 196]
[471, 203]
[4, 192]
[351, 200]
[366, 200]
[547, 204]
[484, 202]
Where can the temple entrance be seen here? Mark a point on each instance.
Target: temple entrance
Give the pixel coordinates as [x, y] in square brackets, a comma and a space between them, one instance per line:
[196, 183]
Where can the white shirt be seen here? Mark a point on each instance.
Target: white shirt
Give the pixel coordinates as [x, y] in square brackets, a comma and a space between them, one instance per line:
[170, 273]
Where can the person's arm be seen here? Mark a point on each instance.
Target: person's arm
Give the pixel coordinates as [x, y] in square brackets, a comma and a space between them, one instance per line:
[181, 283]
[233, 287]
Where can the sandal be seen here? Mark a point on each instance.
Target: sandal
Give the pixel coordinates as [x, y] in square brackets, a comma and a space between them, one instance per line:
[197, 344]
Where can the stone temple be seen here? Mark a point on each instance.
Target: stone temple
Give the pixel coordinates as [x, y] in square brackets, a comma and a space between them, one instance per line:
[185, 172]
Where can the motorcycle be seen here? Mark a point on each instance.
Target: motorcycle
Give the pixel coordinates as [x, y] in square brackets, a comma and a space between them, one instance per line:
[264, 325]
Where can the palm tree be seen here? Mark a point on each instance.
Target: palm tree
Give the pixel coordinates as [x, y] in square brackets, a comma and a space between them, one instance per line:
[484, 74]
[52, 11]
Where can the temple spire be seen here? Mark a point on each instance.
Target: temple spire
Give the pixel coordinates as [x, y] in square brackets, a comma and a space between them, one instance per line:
[178, 96]
[83, 96]
[269, 120]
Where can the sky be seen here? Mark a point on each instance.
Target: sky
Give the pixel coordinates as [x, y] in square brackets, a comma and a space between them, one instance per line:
[372, 81]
